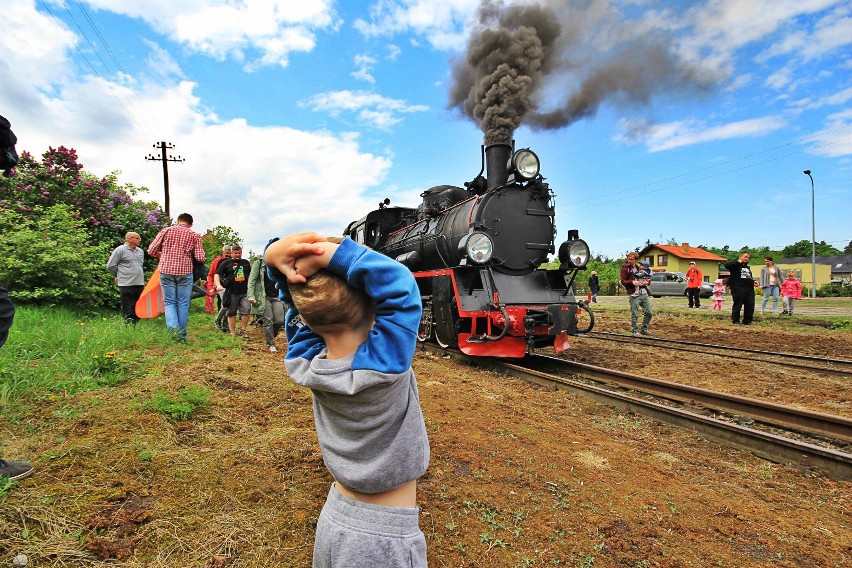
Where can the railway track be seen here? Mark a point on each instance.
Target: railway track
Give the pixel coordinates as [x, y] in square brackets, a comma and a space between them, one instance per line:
[728, 419]
[827, 365]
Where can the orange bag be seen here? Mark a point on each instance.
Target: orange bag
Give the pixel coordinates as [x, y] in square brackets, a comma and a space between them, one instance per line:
[150, 303]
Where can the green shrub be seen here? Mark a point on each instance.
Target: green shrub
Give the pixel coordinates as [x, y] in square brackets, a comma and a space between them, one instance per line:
[47, 258]
[835, 290]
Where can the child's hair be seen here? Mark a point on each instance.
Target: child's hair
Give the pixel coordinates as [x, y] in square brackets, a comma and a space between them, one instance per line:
[791, 273]
[329, 305]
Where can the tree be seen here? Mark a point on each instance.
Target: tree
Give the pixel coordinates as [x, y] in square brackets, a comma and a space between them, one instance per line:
[804, 248]
[105, 208]
[848, 249]
[217, 237]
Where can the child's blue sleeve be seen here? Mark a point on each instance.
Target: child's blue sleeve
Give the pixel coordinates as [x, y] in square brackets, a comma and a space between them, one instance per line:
[301, 341]
[391, 344]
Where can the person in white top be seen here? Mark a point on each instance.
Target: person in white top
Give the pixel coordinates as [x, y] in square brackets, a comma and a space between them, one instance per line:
[770, 281]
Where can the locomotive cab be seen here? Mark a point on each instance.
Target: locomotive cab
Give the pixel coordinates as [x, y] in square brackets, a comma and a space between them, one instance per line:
[373, 230]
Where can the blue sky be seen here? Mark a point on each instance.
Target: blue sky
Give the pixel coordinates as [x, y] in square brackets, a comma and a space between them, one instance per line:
[304, 115]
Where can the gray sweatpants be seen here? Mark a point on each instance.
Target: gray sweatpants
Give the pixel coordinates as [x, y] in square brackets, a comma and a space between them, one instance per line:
[352, 534]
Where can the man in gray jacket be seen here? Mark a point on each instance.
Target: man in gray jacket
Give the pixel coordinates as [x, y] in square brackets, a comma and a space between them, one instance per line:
[125, 263]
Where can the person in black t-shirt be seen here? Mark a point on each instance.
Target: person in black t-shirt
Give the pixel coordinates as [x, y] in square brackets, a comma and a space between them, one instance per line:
[232, 277]
[742, 284]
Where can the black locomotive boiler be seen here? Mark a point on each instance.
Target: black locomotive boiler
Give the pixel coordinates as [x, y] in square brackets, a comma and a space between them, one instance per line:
[475, 253]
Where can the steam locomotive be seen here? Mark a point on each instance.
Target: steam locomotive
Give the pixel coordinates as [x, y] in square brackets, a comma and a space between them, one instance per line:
[475, 253]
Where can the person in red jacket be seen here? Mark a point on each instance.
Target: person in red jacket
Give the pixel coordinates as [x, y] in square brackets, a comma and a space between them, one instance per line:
[220, 323]
[694, 278]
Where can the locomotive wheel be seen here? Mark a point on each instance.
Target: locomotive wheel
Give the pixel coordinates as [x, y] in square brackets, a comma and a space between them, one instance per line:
[424, 332]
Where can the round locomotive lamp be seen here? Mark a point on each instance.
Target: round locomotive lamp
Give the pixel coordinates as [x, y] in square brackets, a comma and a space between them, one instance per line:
[478, 247]
[526, 164]
[574, 253]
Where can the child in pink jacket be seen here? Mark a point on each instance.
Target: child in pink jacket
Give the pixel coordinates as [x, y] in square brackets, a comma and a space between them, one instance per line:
[718, 295]
[791, 290]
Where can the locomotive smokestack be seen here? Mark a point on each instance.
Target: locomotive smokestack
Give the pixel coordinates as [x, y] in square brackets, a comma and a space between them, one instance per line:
[497, 163]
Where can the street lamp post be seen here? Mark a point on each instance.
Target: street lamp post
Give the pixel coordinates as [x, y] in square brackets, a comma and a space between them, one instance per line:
[813, 237]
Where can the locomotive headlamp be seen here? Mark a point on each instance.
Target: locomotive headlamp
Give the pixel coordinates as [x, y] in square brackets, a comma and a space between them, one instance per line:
[525, 164]
[574, 253]
[477, 246]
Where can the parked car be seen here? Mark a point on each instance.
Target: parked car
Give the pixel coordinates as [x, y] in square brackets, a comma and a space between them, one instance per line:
[674, 284]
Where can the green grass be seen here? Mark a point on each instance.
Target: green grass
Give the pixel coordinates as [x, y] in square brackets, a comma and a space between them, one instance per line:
[188, 400]
[56, 351]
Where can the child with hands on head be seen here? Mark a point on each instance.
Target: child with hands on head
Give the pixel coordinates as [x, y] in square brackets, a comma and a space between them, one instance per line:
[351, 335]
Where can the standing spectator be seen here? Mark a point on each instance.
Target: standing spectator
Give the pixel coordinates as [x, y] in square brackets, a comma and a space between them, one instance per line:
[742, 285]
[12, 470]
[594, 286]
[771, 281]
[264, 300]
[8, 154]
[232, 276]
[718, 295]
[791, 290]
[176, 246]
[635, 280]
[125, 263]
[219, 310]
[694, 278]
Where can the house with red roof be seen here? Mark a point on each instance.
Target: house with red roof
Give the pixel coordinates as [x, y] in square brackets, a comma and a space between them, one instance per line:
[676, 258]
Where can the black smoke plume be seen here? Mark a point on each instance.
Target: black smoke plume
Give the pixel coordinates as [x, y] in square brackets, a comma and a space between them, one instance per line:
[529, 64]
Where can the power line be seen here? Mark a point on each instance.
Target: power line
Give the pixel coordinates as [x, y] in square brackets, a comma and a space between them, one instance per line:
[112, 55]
[633, 196]
[133, 116]
[721, 164]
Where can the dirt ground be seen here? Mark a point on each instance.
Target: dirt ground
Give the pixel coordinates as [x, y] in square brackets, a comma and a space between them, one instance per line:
[519, 475]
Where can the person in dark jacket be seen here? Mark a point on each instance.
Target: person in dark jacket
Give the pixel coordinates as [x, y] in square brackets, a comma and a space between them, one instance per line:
[741, 283]
[594, 286]
[635, 279]
[13, 470]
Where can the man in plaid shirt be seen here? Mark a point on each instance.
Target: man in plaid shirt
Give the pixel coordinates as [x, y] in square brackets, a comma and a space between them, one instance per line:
[176, 246]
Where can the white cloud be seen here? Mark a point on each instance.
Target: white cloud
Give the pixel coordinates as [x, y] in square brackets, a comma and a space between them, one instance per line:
[364, 68]
[33, 43]
[731, 24]
[834, 141]
[374, 109]
[660, 137]
[832, 31]
[393, 52]
[261, 181]
[781, 78]
[442, 22]
[260, 33]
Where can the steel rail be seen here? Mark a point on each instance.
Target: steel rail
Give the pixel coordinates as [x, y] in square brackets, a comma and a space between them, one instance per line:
[820, 424]
[812, 358]
[833, 463]
[657, 342]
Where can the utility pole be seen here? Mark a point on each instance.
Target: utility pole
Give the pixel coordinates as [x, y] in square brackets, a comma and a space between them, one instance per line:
[165, 158]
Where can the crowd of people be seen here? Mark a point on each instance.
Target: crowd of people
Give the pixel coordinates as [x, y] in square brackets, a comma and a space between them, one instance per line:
[635, 276]
[234, 289]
